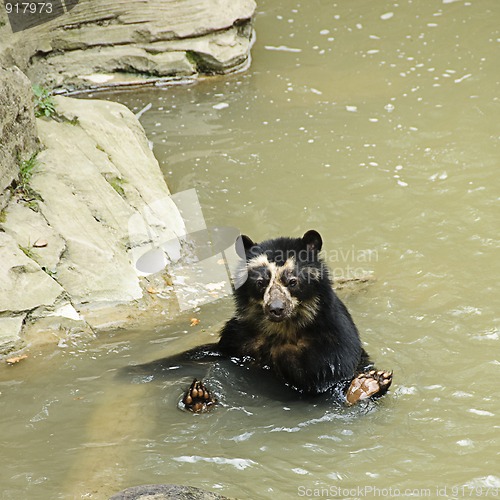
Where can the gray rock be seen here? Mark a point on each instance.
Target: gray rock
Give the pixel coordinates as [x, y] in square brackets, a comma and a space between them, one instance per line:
[56, 323]
[23, 284]
[29, 297]
[18, 137]
[103, 202]
[102, 198]
[10, 331]
[31, 230]
[101, 167]
[103, 42]
[85, 63]
[166, 492]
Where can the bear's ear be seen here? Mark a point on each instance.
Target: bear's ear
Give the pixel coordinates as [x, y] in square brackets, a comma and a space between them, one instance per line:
[312, 241]
[247, 242]
[243, 245]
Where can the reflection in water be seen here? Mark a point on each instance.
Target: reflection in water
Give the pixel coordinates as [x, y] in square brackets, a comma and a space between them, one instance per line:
[376, 124]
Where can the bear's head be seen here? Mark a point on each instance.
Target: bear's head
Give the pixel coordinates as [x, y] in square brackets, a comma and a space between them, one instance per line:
[282, 277]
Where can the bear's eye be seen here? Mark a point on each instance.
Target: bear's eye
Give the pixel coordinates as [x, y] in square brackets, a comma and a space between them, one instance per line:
[260, 282]
[292, 282]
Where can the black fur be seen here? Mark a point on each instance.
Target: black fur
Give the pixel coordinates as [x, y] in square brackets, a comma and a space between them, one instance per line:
[288, 320]
[317, 345]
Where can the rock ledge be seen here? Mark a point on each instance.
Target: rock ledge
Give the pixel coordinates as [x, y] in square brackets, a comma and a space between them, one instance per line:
[108, 43]
[66, 255]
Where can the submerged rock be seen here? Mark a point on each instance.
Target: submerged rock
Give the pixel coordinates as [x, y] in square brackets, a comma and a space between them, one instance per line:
[166, 492]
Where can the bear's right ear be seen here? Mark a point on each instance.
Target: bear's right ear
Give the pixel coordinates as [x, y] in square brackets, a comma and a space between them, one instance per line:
[243, 245]
[312, 241]
[247, 242]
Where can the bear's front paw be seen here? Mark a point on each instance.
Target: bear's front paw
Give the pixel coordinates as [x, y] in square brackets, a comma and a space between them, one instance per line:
[198, 398]
[369, 385]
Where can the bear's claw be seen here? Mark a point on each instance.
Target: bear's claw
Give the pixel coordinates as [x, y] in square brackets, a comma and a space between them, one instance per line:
[372, 384]
[198, 398]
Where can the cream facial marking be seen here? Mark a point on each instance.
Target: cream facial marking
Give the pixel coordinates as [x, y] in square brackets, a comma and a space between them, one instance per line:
[277, 273]
[307, 312]
[287, 268]
[258, 261]
[278, 303]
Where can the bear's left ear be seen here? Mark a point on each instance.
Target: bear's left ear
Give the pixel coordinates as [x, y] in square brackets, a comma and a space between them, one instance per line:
[312, 241]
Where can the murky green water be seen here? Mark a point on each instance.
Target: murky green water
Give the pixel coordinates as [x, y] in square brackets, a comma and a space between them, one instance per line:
[375, 123]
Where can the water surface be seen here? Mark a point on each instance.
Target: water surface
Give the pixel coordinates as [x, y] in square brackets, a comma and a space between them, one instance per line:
[375, 123]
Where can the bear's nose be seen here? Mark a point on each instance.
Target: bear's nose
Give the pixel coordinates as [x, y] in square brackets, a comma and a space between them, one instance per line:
[276, 308]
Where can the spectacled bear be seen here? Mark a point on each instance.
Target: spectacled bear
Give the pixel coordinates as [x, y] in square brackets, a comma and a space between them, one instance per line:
[289, 320]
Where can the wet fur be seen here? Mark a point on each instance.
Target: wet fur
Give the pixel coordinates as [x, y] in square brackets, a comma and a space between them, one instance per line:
[313, 346]
[317, 345]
